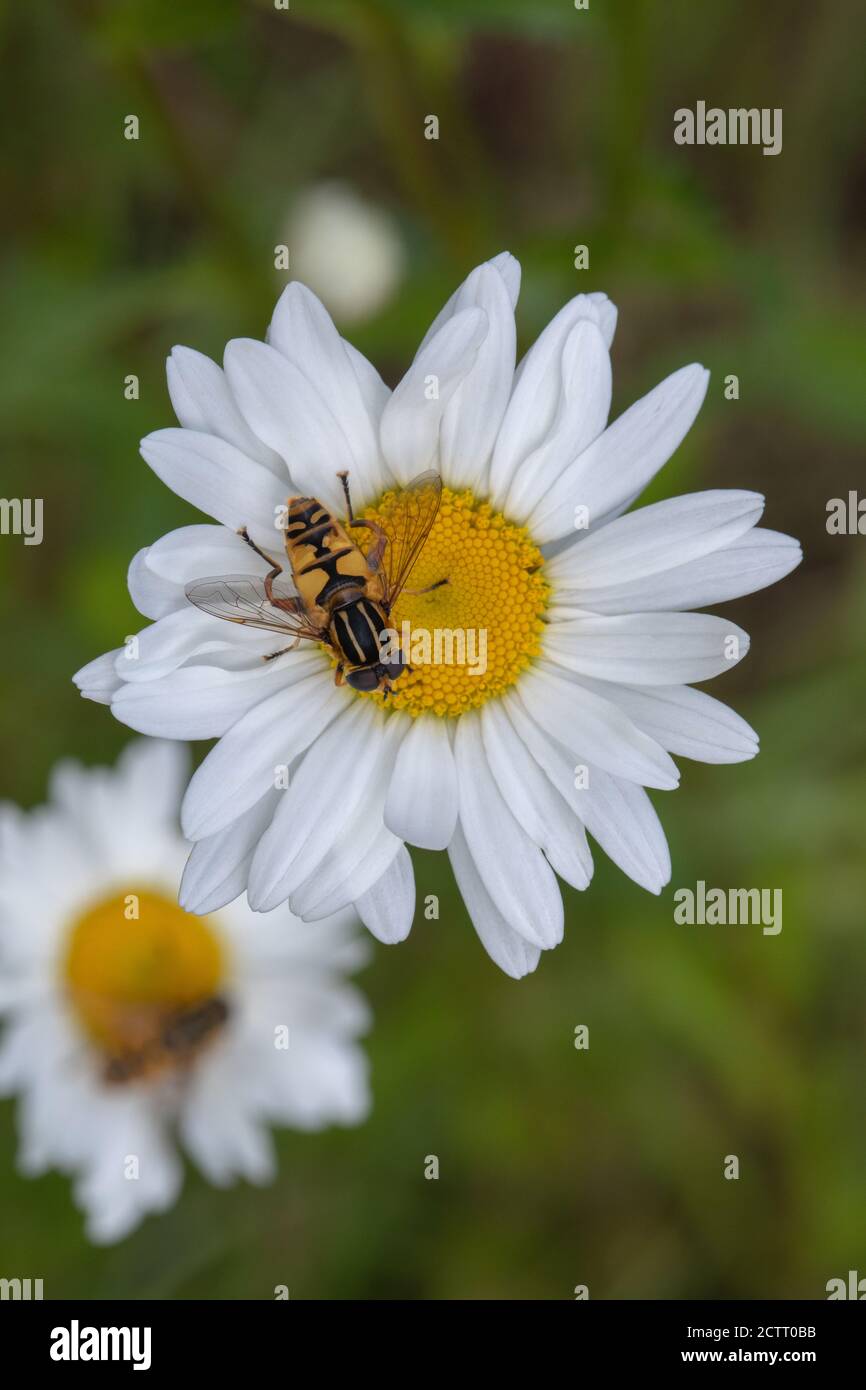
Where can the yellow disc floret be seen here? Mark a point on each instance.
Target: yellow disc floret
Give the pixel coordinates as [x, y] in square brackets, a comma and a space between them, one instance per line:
[467, 640]
[134, 959]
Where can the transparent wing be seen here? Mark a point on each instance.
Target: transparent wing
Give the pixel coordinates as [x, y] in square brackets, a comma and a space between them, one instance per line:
[240, 598]
[408, 530]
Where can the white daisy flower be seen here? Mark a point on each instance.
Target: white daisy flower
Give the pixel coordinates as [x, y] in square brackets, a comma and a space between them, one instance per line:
[132, 1027]
[587, 613]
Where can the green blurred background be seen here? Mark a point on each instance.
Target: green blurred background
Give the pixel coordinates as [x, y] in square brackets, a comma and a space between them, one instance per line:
[558, 1167]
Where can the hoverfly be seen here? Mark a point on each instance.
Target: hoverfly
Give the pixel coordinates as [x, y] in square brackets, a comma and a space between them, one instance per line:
[344, 597]
[164, 1042]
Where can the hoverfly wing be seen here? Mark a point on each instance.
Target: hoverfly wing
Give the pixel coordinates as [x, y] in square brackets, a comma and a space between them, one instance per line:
[408, 530]
[241, 598]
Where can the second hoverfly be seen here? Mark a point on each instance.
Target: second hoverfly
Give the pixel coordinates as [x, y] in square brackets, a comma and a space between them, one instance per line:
[344, 596]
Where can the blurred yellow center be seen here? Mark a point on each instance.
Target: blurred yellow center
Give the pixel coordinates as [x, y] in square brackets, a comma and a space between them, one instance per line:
[134, 961]
[468, 640]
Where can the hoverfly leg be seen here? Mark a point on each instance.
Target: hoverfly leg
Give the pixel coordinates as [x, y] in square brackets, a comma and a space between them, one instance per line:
[275, 564]
[429, 588]
[377, 550]
[338, 675]
[292, 647]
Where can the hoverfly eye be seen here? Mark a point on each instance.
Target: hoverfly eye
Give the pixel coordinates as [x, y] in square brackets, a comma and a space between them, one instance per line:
[392, 669]
[365, 678]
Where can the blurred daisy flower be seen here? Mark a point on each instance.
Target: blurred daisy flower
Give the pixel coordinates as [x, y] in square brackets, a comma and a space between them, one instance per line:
[586, 612]
[345, 249]
[132, 1027]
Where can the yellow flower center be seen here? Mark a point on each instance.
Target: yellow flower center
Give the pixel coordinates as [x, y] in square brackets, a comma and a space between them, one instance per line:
[469, 639]
[143, 977]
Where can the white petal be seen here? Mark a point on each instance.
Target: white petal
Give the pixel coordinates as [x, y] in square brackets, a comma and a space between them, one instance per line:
[197, 702]
[158, 575]
[687, 722]
[512, 869]
[374, 393]
[364, 851]
[326, 791]
[339, 878]
[98, 680]
[217, 478]
[422, 799]
[197, 552]
[506, 947]
[243, 765]
[202, 401]
[151, 595]
[167, 643]
[647, 648]
[536, 395]
[607, 314]
[617, 813]
[217, 869]
[303, 331]
[752, 562]
[581, 417]
[411, 419]
[387, 909]
[609, 475]
[534, 802]
[292, 416]
[653, 539]
[594, 730]
[506, 265]
[471, 421]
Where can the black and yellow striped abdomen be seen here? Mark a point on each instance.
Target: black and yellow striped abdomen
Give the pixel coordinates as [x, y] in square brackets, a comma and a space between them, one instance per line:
[357, 631]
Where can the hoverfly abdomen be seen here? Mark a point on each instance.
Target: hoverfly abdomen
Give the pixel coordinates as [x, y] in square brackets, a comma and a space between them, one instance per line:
[357, 631]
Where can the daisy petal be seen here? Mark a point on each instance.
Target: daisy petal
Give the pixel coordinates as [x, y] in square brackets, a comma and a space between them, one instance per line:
[535, 803]
[505, 264]
[506, 947]
[687, 722]
[196, 702]
[387, 909]
[152, 596]
[217, 869]
[243, 765]
[421, 806]
[202, 401]
[536, 395]
[752, 562]
[98, 680]
[513, 869]
[286, 410]
[582, 415]
[618, 814]
[646, 542]
[326, 791]
[366, 848]
[303, 331]
[412, 418]
[647, 648]
[609, 475]
[471, 420]
[217, 478]
[374, 392]
[594, 730]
